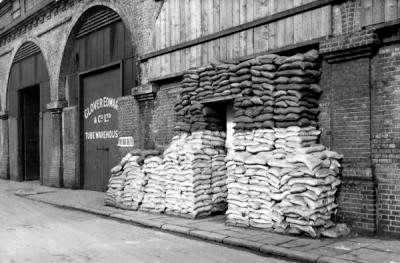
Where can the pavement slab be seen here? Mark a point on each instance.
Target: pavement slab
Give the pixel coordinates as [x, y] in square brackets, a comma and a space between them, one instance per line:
[370, 256]
[207, 235]
[298, 248]
[242, 243]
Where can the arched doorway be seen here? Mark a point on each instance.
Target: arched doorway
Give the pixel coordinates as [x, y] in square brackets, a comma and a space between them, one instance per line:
[28, 93]
[98, 66]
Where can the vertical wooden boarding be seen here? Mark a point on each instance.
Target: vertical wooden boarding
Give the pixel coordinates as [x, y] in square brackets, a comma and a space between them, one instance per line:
[155, 35]
[197, 15]
[163, 43]
[188, 32]
[228, 22]
[398, 8]
[216, 28]
[289, 31]
[168, 33]
[307, 25]
[366, 12]
[326, 20]
[272, 27]
[250, 32]
[378, 11]
[243, 34]
[223, 41]
[171, 33]
[261, 8]
[390, 10]
[297, 24]
[289, 26]
[168, 19]
[280, 24]
[315, 23]
[257, 41]
[235, 22]
[204, 30]
[100, 47]
[210, 29]
[182, 33]
[195, 32]
[176, 39]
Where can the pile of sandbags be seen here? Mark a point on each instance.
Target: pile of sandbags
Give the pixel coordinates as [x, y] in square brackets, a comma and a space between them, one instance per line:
[254, 78]
[219, 190]
[296, 93]
[127, 181]
[154, 190]
[134, 182]
[188, 164]
[189, 84]
[249, 203]
[189, 180]
[308, 180]
[254, 110]
[220, 81]
[282, 179]
[269, 91]
[116, 186]
[205, 89]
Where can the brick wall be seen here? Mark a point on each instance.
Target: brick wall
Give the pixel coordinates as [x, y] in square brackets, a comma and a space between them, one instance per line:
[346, 125]
[356, 201]
[150, 122]
[70, 136]
[128, 121]
[386, 135]
[163, 120]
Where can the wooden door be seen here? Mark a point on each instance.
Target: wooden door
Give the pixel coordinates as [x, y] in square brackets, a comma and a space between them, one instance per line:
[100, 127]
[30, 108]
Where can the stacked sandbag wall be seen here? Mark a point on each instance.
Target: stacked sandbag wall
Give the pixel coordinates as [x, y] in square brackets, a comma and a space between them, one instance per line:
[188, 180]
[267, 91]
[195, 178]
[275, 176]
[127, 181]
[276, 102]
[282, 179]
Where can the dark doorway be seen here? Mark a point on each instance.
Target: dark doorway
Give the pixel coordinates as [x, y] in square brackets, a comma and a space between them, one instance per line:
[99, 113]
[30, 108]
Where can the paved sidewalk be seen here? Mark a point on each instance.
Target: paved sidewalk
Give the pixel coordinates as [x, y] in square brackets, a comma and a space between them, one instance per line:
[300, 249]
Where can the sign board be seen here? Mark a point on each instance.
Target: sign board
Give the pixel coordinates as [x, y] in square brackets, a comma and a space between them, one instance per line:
[126, 141]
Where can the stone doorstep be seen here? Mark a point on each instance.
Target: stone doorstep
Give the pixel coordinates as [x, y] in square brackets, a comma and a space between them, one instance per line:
[153, 221]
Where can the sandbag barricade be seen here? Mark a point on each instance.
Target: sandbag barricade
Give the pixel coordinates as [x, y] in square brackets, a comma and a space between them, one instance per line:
[276, 176]
[189, 180]
[283, 180]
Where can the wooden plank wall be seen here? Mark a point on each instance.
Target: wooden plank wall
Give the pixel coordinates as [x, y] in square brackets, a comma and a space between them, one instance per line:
[184, 20]
[379, 11]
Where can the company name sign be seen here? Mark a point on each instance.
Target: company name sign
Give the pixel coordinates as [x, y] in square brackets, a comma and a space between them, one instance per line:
[101, 119]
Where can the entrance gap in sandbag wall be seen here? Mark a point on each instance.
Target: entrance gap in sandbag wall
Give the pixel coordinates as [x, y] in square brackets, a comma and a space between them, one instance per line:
[98, 66]
[221, 114]
[28, 93]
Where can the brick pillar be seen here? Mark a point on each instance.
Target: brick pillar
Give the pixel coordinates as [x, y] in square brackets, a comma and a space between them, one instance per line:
[70, 137]
[54, 175]
[4, 164]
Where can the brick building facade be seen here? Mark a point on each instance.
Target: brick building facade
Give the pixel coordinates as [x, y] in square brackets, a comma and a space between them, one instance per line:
[358, 42]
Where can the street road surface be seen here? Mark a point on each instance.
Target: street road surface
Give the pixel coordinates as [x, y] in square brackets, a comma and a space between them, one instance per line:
[35, 232]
